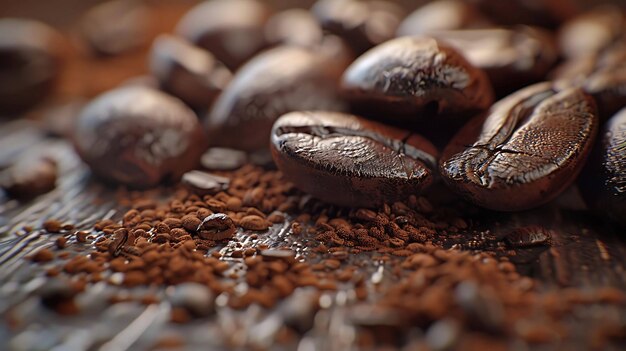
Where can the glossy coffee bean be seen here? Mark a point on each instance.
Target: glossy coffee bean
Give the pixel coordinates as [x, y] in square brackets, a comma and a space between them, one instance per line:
[415, 78]
[188, 72]
[362, 24]
[232, 30]
[348, 161]
[603, 181]
[275, 82]
[29, 63]
[442, 15]
[130, 31]
[138, 136]
[602, 75]
[529, 147]
[512, 58]
[591, 32]
[29, 177]
[294, 27]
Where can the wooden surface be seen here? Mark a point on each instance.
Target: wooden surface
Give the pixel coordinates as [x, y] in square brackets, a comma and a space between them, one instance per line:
[585, 252]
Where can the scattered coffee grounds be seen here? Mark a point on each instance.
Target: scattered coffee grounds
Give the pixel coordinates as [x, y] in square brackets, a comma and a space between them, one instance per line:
[29, 178]
[421, 275]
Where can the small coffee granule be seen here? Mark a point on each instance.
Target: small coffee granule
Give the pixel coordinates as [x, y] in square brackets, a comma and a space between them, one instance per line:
[43, 255]
[52, 226]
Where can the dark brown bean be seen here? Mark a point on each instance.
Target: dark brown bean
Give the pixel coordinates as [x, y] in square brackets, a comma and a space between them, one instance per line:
[29, 177]
[603, 182]
[232, 30]
[217, 226]
[188, 72]
[442, 15]
[512, 58]
[130, 29]
[529, 147]
[138, 136]
[29, 63]
[278, 81]
[345, 160]
[203, 183]
[294, 27]
[362, 24]
[416, 77]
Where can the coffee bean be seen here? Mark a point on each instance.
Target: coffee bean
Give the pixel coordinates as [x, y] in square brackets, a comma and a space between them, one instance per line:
[512, 58]
[29, 177]
[29, 63]
[412, 78]
[254, 222]
[129, 32]
[591, 32]
[217, 226]
[203, 183]
[138, 137]
[278, 81]
[603, 182]
[232, 30]
[362, 24]
[222, 159]
[348, 161]
[525, 151]
[442, 15]
[294, 27]
[188, 72]
[529, 236]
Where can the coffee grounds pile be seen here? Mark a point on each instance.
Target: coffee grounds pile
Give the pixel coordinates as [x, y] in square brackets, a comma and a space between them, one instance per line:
[431, 269]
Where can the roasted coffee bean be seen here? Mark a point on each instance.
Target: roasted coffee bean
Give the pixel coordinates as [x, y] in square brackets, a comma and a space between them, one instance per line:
[29, 63]
[232, 30]
[413, 78]
[222, 159]
[217, 226]
[525, 151]
[603, 181]
[294, 27]
[362, 24]
[129, 32]
[529, 236]
[512, 58]
[543, 13]
[138, 137]
[591, 32]
[188, 72]
[203, 183]
[442, 15]
[29, 177]
[603, 75]
[278, 81]
[348, 161]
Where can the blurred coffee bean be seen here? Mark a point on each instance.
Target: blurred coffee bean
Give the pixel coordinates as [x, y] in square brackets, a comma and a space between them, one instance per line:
[29, 63]
[29, 178]
[349, 161]
[602, 75]
[544, 13]
[528, 148]
[362, 24]
[115, 27]
[512, 58]
[294, 27]
[223, 159]
[232, 30]
[278, 81]
[413, 78]
[591, 32]
[442, 15]
[603, 181]
[138, 136]
[203, 183]
[188, 72]
[525, 151]
[196, 298]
